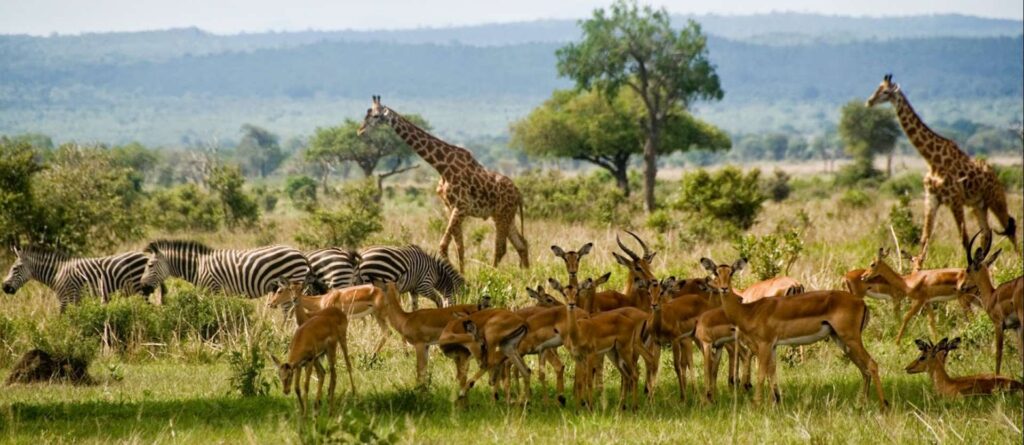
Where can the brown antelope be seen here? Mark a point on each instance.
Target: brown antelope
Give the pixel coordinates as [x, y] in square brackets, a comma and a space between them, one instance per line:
[933, 361]
[715, 333]
[543, 301]
[638, 273]
[876, 287]
[997, 302]
[572, 260]
[420, 328]
[491, 336]
[673, 322]
[587, 339]
[355, 301]
[802, 319]
[772, 287]
[921, 287]
[318, 336]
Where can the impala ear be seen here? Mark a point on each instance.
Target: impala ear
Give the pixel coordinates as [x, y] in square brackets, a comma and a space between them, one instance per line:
[622, 260]
[709, 265]
[585, 249]
[922, 345]
[992, 258]
[602, 279]
[739, 265]
[558, 251]
[555, 285]
[532, 293]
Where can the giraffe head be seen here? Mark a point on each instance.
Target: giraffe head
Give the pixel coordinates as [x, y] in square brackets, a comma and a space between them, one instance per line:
[376, 114]
[885, 92]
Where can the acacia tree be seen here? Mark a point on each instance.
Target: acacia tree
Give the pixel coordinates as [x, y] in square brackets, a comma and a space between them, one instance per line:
[332, 146]
[867, 131]
[259, 150]
[586, 126]
[637, 48]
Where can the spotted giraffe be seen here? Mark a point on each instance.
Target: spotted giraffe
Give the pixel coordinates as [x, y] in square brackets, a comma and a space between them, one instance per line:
[466, 188]
[954, 179]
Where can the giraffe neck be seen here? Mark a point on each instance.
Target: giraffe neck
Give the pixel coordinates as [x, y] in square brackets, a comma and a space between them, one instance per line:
[435, 151]
[930, 144]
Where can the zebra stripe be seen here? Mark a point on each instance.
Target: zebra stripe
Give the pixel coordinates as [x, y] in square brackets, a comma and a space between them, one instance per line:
[332, 268]
[68, 276]
[249, 272]
[413, 270]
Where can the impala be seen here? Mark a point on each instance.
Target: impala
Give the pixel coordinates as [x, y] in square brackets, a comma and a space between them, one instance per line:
[420, 328]
[543, 301]
[355, 301]
[933, 361]
[921, 287]
[572, 259]
[876, 287]
[802, 319]
[997, 302]
[491, 336]
[715, 333]
[318, 336]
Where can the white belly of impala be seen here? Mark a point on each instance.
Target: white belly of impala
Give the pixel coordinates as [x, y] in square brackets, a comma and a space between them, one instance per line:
[361, 314]
[721, 341]
[807, 339]
[552, 342]
[942, 298]
[878, 296]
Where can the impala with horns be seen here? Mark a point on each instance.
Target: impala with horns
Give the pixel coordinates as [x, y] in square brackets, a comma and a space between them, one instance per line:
[997, 301]
[933, 361]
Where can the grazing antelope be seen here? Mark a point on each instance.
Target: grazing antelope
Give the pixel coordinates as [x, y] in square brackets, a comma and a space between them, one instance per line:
[798, 320]
[420, 328]
[586, 339]
[490, 336]
[355, 301]
[876, 287]
[318, 336]
[933, 361]
[921, 287]
[997, 302]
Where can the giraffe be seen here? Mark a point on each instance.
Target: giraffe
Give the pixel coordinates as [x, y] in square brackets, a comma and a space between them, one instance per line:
[953, 179]
[466, 188]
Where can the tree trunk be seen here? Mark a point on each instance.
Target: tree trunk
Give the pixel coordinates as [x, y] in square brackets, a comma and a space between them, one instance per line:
[621, 175]
[651, 166]
[888, 163]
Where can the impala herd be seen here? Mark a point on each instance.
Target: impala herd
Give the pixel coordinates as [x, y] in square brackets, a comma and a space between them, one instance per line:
[633, 325]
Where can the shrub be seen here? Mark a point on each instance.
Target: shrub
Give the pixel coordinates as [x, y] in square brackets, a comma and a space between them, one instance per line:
[902, 220]
[856, 174]
[353, 426]
[776, 187]
[855, 198]
[1011, 176]
[770, 255]
[591, 198]
[128, 322]
[248, 364]
[65, 342]
[301, 190]
[356, 217]
[184, 208]
[910, 184]
[8, 340]
[207, 315]
[266, 198]
[728, 195]
[240, 209]
[661, 221]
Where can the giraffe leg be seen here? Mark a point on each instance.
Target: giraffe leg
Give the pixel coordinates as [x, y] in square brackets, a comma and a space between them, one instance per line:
[454, 229]
[522, 248]
[957, 209]
[501, 226]
[931, 208]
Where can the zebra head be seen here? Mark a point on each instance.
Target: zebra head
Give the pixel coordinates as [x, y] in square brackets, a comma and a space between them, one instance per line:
[449, 280]
[157, 269]
[18, 275]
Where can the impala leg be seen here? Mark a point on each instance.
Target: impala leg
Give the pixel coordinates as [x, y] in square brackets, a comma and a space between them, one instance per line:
[764, 357]
[421, 363]
[652, 369]
[332, 361]
[711, 357]
[542, 375]
[385, 332]
[559, 368]
[298, 387]
[918, 304]
[999, 344]
[860, 357]
[348, 363]
[679, 363]
[930, 312]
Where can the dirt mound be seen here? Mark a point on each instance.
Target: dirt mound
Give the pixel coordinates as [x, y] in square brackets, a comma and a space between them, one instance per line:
[38, 366]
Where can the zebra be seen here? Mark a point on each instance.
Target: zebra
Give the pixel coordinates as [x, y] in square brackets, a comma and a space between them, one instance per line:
[68, 275]
[413, 270]
[250, 272]
[331, 268]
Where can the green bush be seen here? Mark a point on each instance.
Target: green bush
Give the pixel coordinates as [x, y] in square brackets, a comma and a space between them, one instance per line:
[813, 187]
[776, 186]
[902, 220]
[266, 198]
[353, 426]
[248, 365]
[660, 221]
[184, 208]
[240, 209]
[301, 190]
[770, 255]
[857, 174]
[591, 198]
[65, 342]
[855, 198]
[207, 315]
[1012, 177]
[909, 184]
[9, 334]
[356, 216]
[727, 195]
[129, 322]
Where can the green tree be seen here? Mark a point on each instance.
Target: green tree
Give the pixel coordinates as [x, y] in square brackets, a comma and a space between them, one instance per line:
[259, 150]
[586, 126]
[637, 48]
[19, 164]
[239, 208]
[331, 146]
[727, 195]
[866, 132]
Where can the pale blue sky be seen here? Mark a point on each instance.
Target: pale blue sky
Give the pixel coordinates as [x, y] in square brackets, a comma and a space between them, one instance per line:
[42, 17]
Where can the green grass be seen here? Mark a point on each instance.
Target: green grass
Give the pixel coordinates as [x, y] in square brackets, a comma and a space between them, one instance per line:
[179, 391]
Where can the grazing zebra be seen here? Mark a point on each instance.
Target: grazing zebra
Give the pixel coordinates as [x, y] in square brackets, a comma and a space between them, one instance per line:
[250, 272]
[68, 275]
[332, 268]
[413, 270]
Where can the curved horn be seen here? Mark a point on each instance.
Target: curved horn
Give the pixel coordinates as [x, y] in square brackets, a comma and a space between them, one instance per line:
[970, 246]
[988, 246]
[647, 251]
[625, 249]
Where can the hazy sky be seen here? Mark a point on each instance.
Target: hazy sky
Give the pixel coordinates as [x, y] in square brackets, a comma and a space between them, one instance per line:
[233, 16]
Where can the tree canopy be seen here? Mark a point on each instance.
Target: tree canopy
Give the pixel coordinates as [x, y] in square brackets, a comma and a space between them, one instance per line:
[867, 131]
[259, 150]
[607, 132]
[636, 47]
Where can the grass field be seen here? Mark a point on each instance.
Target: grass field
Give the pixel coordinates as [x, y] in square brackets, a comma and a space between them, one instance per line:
[180, 393]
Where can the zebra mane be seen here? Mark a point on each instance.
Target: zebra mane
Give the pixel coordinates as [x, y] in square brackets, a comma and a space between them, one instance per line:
[166, 245]
[37, 250]
[445, 267]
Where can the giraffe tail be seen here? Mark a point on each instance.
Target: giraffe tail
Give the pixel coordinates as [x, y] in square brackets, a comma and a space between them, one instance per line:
[522, 219]
[1010, 229]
